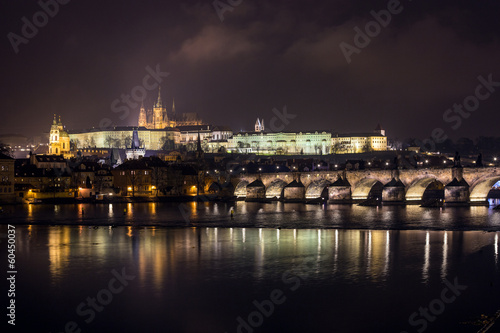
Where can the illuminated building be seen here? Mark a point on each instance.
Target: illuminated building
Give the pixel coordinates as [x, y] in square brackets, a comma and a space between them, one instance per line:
[359, 142]
[59, 139]
[7, 178]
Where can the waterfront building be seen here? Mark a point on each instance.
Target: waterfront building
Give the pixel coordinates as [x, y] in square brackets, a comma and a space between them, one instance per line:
[7, 174]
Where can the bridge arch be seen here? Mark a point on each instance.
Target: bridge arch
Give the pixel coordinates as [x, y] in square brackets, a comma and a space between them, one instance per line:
[214, 188]
[317, 189]
[275, 189]
[480, 191]
[240, 190]
[366, 188]
[417, 190]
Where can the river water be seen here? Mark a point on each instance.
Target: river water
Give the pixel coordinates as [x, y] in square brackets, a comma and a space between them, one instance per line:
[272, 268]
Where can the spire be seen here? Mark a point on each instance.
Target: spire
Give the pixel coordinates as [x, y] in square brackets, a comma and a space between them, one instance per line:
[54, 122]
[158, 103]
[173, 106]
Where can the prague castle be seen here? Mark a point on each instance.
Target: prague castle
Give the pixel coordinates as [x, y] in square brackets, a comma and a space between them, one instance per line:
[162, 129]
[156, 127]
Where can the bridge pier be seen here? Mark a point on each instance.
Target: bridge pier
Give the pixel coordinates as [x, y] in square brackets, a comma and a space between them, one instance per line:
[340, 191]
[456, 192]
[393, 192]
[294, 192]
[256, 191]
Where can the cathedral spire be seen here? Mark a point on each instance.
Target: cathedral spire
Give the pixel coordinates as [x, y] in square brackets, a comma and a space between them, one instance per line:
[54, 122]
[173, 105]
[158, 103]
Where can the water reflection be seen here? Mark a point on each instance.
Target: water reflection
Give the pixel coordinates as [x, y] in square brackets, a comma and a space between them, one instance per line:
[445, 255]
[349, 254]
[425, 268]
[496, 248]
[250, 214]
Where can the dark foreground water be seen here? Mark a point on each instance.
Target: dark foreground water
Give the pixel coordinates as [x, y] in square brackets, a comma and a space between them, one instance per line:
[246, 275]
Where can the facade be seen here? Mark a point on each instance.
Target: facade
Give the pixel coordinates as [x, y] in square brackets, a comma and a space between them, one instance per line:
[285, 143]
[121, 137]
[133, 178]
[359, 142]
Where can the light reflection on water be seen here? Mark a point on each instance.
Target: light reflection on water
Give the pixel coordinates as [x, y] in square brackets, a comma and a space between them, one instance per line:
[273, 215]
[236, 263]
[360, 253]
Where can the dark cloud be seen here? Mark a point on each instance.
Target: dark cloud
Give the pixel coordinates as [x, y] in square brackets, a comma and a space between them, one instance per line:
[264, 55]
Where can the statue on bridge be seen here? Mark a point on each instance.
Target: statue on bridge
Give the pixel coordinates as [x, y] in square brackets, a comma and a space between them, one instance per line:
[456, 160]
[479, 161]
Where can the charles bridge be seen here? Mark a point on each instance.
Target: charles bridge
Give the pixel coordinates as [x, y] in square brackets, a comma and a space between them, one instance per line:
[455, 185]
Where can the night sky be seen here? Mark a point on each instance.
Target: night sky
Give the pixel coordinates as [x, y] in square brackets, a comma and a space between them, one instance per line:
[263, 55]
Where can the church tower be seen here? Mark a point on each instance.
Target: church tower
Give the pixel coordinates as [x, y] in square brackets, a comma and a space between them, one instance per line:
[59, 139]
[143, 122]
[259, 125]
[158, 112]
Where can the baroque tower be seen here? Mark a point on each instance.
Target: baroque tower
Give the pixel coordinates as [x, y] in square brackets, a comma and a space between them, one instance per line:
[58, 139]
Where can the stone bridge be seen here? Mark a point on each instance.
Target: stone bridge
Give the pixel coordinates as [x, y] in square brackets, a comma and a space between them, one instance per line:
[454, 185]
